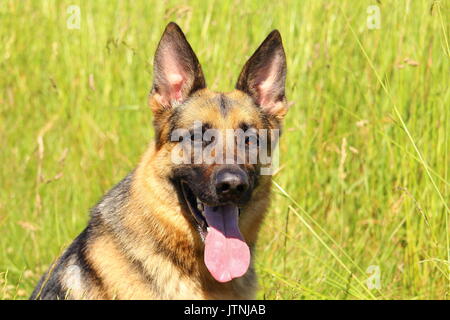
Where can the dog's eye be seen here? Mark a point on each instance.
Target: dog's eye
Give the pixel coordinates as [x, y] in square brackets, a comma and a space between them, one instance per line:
[251, 138]
[251, 141]
[250, 135]
[196, 136]
[207, 142]
[200, 137]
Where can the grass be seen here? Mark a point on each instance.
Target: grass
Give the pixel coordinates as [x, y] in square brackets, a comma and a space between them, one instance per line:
[365, 155]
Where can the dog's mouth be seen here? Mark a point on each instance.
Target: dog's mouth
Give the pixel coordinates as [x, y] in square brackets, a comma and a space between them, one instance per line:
[226, 256]
[197, 209]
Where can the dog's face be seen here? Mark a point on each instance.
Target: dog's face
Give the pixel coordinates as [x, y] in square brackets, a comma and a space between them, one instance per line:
[215, 141]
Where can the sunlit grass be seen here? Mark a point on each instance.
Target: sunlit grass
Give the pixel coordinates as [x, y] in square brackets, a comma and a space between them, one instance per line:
[364, 177]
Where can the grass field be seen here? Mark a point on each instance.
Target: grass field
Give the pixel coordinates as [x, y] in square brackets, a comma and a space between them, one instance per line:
[364, 184]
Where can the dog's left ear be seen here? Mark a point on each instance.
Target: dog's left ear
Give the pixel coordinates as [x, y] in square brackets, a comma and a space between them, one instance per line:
[264, 75]
[177, 72]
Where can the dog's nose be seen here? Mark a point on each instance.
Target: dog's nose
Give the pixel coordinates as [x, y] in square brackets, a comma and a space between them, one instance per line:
[231, 184]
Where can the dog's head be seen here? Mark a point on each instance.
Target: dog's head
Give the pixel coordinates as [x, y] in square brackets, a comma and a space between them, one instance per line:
[215, 141]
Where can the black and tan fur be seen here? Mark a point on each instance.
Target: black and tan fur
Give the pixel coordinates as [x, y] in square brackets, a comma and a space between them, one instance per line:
[142, 241]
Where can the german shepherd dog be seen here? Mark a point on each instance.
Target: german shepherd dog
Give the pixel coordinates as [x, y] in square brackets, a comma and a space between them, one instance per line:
[181, 230]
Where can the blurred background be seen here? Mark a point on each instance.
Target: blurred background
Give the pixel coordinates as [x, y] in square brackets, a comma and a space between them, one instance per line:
[361, 199]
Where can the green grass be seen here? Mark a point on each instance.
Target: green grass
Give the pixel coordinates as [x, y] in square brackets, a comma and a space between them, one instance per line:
[365, 154]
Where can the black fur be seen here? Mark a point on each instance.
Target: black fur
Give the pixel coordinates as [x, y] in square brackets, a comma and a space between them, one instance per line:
[105, 213]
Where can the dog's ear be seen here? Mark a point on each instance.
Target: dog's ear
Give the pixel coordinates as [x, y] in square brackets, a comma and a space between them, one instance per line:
[264, 75]
[176, 70]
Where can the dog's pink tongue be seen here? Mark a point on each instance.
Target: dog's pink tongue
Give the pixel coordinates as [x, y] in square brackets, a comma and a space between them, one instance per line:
[227, 256]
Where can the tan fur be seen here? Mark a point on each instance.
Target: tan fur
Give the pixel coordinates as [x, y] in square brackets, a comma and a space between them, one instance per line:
[143, 241]
[154, 214]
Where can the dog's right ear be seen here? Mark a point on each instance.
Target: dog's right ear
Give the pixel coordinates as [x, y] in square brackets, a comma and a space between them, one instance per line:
[177, 72]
